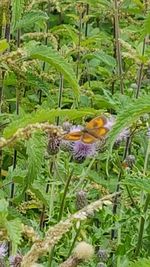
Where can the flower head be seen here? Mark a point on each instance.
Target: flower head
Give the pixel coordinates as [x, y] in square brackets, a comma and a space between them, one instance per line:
[3, 250]
[81, 151]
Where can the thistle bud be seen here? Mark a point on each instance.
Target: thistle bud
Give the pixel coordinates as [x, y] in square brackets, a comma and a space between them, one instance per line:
[130, 161]
[53, 144]
[102, 254]
[15, 261]
[81, 199]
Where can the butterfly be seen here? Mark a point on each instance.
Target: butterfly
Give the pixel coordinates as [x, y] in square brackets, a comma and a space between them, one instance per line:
[92, 132]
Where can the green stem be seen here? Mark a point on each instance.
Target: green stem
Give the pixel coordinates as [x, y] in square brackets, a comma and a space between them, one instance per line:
[74, 240]
[118, 47]
[147, 201]
[64, 196]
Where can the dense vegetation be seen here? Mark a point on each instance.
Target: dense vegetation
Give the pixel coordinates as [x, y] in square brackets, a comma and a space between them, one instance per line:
[69, 203]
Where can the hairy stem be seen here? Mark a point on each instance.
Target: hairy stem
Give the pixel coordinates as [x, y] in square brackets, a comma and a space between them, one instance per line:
[117, 44]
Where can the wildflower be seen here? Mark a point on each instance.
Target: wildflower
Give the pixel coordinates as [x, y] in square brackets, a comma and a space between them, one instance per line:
[81, 151]
[148, 132]
[3, 250]
[15, 261]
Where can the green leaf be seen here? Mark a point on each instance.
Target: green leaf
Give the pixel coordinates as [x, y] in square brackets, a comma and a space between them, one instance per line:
[103, 57]
[47, 54]
[146, 25]
[129, 115]
[3, 45]
[3, 211]
[140, 184]
[39, 191]
[30, 18]
[43, 115]
[14, 230]
[35, 152]
[140, 263]
[17, 10]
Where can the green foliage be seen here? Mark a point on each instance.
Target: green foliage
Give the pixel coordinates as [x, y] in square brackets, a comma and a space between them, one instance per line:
[43, 115]
[129, 115]
[50, 56]
[66, 62]
[30, 18]
[35, 152]
[3, 45]
[17, 11]
[140, 263]
[13, 227]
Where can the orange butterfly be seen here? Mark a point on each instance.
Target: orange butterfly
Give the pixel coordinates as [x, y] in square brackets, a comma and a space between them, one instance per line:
[93, 131]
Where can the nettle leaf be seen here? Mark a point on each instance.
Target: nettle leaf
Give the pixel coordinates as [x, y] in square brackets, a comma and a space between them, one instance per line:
[103, 57]
[140, 184]
[146, 25]
[35, 152]
[129, 115]
[17, 10]
[39, 191]
[140, 263]
[49, 55]
[3, 45]
[67, 30]
[43, 115]
[14, 230]
[30, 18]
[3, 211]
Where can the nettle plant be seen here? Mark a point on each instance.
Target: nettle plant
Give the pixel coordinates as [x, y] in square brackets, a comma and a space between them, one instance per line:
[66, 202]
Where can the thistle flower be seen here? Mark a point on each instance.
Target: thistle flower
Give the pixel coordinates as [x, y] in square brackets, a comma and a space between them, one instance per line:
[3, 250]
[15, 261]
[148, 132]
[81, 151]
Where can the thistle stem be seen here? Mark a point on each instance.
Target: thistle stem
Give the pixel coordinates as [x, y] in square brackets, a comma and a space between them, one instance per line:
[64, 196]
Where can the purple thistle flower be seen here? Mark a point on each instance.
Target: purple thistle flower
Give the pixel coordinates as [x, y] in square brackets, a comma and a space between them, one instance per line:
[3, 250]
[81, 151]
[15, 261]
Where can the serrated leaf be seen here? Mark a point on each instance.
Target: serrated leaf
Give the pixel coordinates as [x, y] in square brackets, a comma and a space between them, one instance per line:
[30, 18]
[35, 152]
[17, 10]
[39, 192]
[3, 211]
[49, 55]
[3, 45]
[14, 230]
[129, 115]
[140, 184]
[140, 263]
[43, 115]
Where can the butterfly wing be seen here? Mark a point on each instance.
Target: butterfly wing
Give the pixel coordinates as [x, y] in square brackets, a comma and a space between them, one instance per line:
[73, 136]
[96, 127]
[96, 122]
[87, 138]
